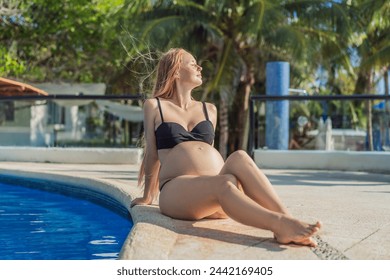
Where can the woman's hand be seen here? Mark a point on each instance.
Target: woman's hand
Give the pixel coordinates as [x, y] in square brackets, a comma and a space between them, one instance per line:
[141, 201]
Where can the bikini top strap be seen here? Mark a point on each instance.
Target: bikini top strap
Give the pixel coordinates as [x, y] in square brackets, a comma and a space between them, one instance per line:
[159, 108]
[205, 110]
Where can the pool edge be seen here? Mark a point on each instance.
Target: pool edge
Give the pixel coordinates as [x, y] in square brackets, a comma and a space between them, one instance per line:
[104, 187]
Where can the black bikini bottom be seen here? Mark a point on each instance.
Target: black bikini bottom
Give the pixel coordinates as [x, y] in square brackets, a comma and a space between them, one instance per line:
[167, 181]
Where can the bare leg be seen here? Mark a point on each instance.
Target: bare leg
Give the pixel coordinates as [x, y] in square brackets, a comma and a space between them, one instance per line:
[253, 181]
[195, 197]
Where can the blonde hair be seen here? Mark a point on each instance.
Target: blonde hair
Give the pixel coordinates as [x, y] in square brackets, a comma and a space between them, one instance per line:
[165, 87]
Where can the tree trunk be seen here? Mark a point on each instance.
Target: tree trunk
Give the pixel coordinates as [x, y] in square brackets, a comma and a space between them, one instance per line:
[386, 79]
[243, 140]
[369, 125]
[126, 134]
[387, 106]
[239, 137]
[223, 123]
[363, 86]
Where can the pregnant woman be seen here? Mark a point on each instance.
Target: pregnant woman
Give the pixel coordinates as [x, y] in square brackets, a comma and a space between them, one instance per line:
[194, 181]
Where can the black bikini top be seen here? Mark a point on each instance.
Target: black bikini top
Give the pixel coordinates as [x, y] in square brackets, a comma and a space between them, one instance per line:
[169, 134]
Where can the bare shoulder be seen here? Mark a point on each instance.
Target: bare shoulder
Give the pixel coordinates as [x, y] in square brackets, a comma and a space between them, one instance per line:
[211, 108]
[150, 106]
[150, 109]
[150, 103]
[212, 112]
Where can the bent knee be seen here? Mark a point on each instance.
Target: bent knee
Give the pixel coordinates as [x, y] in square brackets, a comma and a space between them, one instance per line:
[239, 159]
[238, 156]
[228, 178]
[228, 181]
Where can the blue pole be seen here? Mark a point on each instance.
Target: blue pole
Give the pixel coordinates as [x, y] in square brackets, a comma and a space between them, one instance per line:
[277, 112]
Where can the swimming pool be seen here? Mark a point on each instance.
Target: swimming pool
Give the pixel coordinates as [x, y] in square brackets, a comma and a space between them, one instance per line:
[45, 220]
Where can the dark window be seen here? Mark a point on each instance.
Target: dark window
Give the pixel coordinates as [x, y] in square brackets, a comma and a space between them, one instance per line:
[56, 113]
[9, 111]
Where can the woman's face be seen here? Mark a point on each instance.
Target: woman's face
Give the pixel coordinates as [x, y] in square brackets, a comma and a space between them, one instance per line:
[190, 71]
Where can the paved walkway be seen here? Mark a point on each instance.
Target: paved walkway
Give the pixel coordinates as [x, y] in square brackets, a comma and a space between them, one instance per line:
[353, 206]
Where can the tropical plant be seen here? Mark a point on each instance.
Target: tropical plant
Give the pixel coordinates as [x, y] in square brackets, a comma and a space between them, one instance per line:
[112, 41]
[235, 39]
[372, 45]
[71, 40]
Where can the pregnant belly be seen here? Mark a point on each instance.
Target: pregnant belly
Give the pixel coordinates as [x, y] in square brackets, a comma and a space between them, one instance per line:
[190, 158]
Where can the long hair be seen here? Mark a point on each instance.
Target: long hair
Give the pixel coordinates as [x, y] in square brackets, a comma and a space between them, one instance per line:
[165, 87]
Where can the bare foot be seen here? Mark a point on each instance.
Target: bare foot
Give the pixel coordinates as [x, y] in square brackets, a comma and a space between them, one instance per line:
[293, 231]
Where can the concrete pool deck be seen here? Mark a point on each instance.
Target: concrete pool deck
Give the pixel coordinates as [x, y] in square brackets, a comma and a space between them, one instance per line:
[353, 206]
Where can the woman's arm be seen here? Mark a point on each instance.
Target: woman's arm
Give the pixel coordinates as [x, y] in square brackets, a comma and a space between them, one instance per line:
[213, 114]
[151, 161]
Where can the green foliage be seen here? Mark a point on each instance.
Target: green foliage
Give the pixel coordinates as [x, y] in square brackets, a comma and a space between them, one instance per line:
[372, 42]
[72, 40]
[9, 64]
[76, 40]
[118, 42]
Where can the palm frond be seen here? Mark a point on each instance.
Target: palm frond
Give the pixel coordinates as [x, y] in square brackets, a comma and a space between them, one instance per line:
[221, 68]
[160, 22]
[252, 18]
[379, 59]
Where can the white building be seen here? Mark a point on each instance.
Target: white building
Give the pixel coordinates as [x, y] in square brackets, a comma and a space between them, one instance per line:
[38, 123]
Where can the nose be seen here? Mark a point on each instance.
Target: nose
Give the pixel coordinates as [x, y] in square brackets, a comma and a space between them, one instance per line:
[199, 67]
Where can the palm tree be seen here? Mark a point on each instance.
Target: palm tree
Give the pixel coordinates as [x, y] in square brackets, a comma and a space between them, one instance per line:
[372, 43]
[214, 37]
[234, 40]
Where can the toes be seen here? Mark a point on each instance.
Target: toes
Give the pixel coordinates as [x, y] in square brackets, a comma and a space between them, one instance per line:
[314, 230]
[316, 227]
[306, 242]
[312, 243]
[301, 235]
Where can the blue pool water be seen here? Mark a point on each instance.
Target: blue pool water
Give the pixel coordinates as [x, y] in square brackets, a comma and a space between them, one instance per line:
[39, 222]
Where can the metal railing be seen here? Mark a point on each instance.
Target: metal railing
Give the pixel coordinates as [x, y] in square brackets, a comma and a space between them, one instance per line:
[253, 100]
[56, 129]
[267, 98]
[71, 97]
